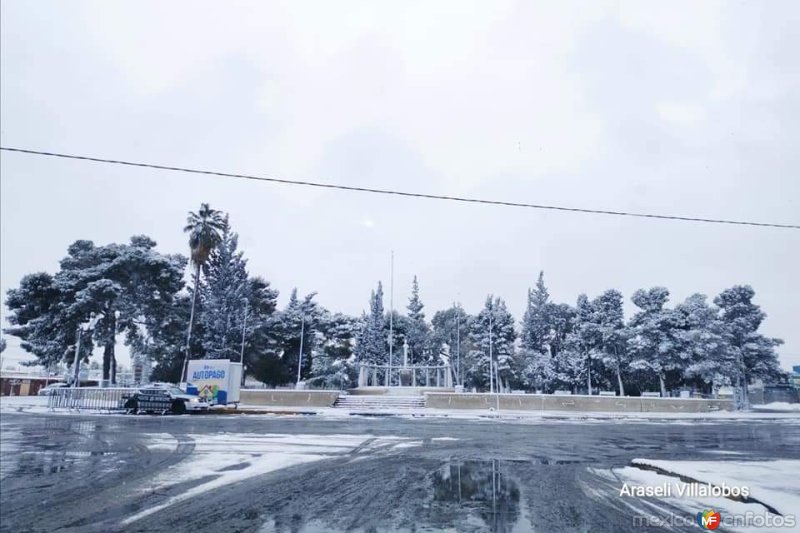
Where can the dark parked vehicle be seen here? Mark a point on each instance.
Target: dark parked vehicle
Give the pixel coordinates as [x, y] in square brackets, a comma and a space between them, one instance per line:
[163, 399]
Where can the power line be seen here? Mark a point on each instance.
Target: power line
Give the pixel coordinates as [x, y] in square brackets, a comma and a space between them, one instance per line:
[399, 193]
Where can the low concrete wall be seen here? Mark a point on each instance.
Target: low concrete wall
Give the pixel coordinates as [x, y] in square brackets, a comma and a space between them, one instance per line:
[544, 402]
[289, 398]
[395, 391]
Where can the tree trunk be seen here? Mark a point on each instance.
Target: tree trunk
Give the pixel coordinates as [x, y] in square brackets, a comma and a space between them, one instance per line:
[663, 385]
[191, 321]
[112, 345]
[619, 381]
[745, 393]
[619, 373]
[589, 373]
[108, 350]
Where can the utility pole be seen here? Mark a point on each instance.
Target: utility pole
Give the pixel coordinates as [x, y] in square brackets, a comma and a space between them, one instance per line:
[302, 334]
[491, 356]
[458, 347]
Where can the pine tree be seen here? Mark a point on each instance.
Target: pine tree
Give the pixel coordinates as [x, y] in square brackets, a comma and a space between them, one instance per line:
[451, 329]
[655, 342]
[398, 329]
[562, 321]
[585, 337]
[123, 285]
[223, 298]
[612, 334]
[493, 327]
[332, 366]
[754, 353]
[538, 337]
[418, 333]
[711, 360]
[536, 326]
[372, 346]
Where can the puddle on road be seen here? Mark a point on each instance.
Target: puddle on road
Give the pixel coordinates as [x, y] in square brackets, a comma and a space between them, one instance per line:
[29, 451]
[52, 462]
[473, 496]
[486, 490]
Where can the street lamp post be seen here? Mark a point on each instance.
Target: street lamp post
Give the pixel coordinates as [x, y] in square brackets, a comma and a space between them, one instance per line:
[244, 332]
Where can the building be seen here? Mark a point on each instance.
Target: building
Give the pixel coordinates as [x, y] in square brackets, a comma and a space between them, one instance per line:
[795, 377]
[22, 383]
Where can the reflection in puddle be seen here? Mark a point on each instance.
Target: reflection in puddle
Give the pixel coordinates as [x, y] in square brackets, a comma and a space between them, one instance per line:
[470, 496]
[52, 462]
[484, 488]
[33, 450]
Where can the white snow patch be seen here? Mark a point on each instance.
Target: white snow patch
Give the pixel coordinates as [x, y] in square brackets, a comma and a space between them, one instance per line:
[162, 441]
[727, 508]
[778, 406]
[410, 444]
[444, 438]
[232, 457]
[723, 452]
[258, 466]
[775, 483]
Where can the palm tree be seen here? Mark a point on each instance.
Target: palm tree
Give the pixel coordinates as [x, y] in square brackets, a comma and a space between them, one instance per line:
[204, 229]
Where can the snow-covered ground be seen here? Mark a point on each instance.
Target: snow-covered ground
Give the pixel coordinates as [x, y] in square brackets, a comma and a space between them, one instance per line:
[778, 406]
[232, 457]
[34, 404]
[22, 402]
[774, 483]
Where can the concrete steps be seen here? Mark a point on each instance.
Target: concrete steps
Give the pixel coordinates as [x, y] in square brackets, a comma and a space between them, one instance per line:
[353, 401]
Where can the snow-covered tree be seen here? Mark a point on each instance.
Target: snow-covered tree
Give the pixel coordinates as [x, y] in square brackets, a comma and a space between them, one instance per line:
[538, 370]
[582, 341]
[419, 332]
[710, 359]
[562, 322]
[612, 334]
[492, 327]
[372, 341]
[223, 297]
[655, 341]
[450, 333]
[123, 285]
[398, 329]
[569, 366]
[545, 326]
[755, 354]
[333, 362]
[535, 335]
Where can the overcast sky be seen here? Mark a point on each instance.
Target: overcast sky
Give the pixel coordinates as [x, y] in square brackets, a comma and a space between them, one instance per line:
[643, 106]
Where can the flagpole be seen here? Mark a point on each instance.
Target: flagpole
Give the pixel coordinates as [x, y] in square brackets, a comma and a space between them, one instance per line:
[391, 322]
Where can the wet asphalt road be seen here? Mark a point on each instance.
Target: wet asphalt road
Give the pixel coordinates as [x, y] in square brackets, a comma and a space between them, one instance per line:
[106, 473]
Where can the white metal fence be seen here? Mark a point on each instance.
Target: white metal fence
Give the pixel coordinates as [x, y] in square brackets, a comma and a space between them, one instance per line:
[90, 398]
